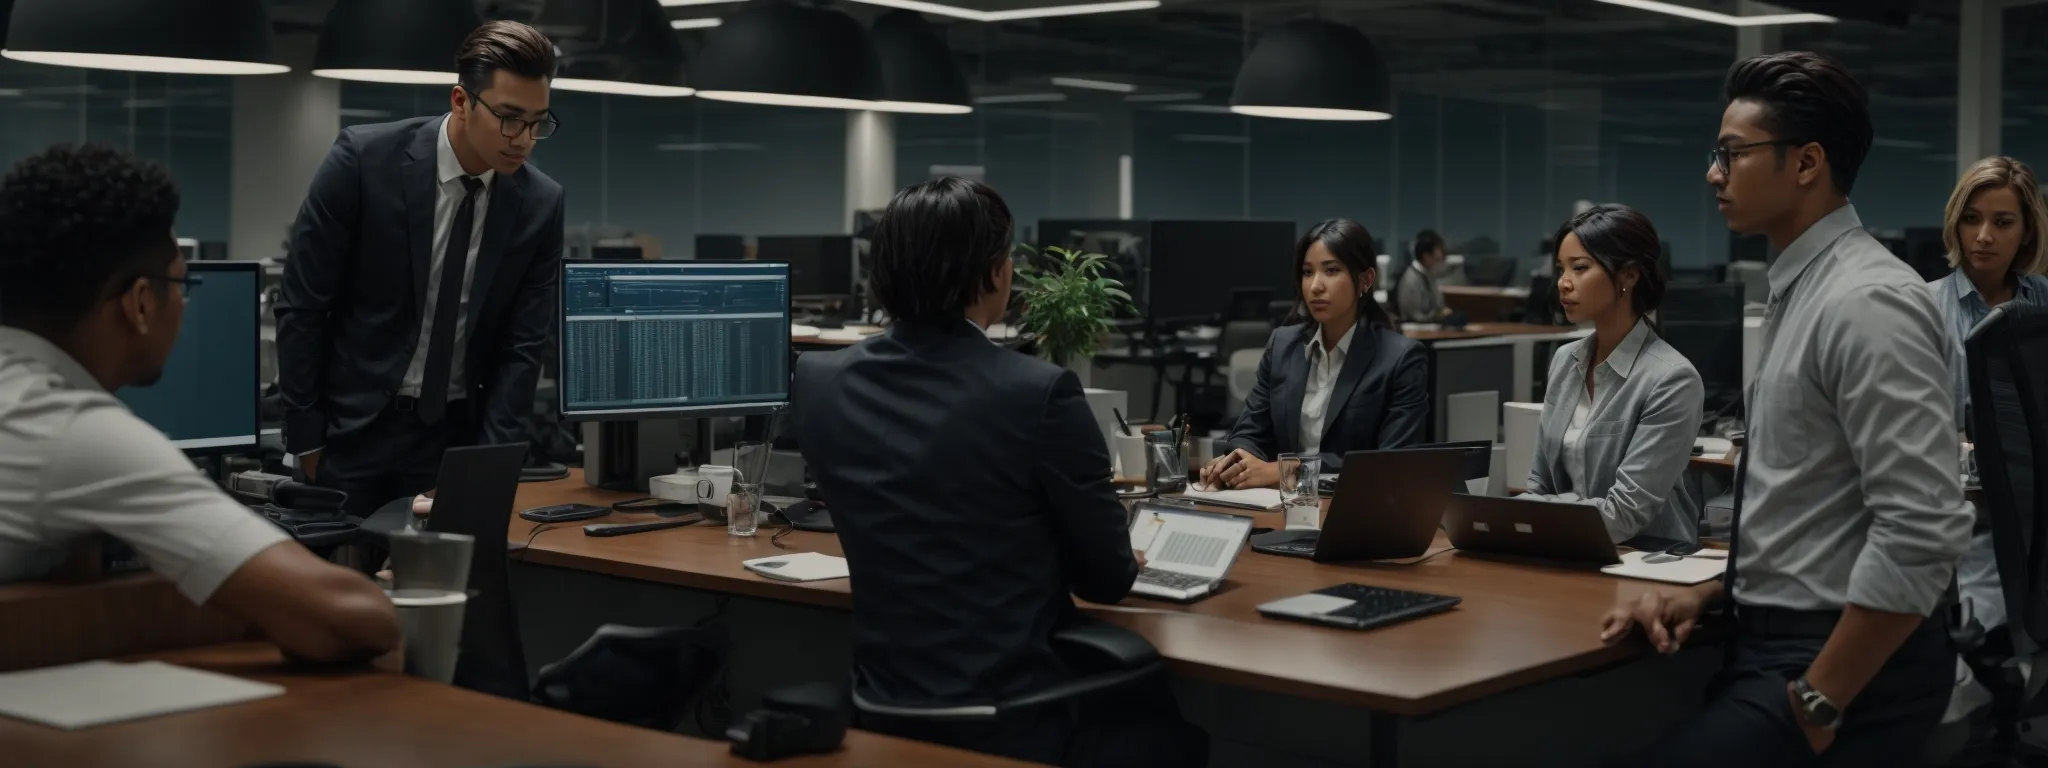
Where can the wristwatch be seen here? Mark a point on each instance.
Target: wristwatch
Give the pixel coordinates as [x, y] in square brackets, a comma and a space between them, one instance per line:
[1814, 707]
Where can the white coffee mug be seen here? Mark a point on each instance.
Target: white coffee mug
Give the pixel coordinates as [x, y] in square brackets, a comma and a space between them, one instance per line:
[721, 482]
[1131, 459]
[685, 487]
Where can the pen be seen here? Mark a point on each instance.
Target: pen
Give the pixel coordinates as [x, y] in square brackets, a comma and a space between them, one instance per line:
[1120, 423]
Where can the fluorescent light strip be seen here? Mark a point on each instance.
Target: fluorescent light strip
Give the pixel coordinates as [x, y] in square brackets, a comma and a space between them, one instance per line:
[1094, 85]
[620, 87]
[1021, 98]
[394, 76]
[1154, 97]
[146, 63]
[1717, 17]
[705, 23]
[1016, 14]
[1311, 113]
[683, 3]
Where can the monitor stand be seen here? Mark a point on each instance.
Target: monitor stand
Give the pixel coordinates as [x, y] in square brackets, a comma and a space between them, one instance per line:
[622, 455]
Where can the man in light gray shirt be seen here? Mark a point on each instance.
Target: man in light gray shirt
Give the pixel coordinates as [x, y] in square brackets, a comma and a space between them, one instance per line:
[1850, 514]
[92, 294]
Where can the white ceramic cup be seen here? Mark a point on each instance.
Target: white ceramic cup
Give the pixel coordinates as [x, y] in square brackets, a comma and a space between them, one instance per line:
[721, 483]
[1131, 459]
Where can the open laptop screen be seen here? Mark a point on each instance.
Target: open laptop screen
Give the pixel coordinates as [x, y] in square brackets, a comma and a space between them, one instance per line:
[1187, 541]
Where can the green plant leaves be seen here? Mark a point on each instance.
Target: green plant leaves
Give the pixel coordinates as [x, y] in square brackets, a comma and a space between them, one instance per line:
[1068, 303]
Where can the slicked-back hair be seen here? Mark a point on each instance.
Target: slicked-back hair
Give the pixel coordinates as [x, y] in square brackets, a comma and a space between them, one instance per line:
[503, 46]
[1809, 97]
[74, 222]
[936, 249]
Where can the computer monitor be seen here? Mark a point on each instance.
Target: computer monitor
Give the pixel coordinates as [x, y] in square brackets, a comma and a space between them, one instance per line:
[208, 398]
[721, 247]
[1195, 264]
[673, 339]
[819, 265]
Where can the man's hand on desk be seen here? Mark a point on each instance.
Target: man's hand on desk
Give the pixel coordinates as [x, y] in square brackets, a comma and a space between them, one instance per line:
[1240, 469]
[1667, 618]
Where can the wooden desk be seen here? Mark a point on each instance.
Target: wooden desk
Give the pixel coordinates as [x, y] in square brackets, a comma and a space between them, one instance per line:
[390, 720]
[1486, 330]
[1483, 303]
[48, 623]
[1519, 624]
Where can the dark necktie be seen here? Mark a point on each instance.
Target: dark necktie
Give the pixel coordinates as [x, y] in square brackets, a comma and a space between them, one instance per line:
[433, 404]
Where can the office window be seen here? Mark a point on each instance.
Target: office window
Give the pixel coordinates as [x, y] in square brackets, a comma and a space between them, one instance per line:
[2026, 85]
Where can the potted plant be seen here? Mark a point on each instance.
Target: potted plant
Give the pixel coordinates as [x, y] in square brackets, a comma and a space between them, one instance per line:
[1068, 303]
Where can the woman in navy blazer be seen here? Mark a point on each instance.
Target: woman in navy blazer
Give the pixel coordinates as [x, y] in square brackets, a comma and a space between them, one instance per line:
[1340, 377]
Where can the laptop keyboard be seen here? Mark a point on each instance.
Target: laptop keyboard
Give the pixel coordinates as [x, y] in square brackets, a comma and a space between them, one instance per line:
[1170, 579]
[1378, 604]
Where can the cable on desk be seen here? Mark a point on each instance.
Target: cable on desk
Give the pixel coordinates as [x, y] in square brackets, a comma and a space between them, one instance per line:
[1422, 559]
[534, 533]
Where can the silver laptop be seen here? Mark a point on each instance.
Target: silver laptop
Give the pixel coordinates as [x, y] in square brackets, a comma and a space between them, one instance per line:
[1187, 552]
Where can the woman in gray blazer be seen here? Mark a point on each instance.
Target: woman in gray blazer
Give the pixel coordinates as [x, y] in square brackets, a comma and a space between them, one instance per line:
[1622, 407]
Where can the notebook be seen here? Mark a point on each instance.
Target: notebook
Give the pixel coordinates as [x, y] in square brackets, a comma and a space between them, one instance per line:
[1255, 499]
[1187, 553]
[93, 693]
[1700, 568]
[802, 566]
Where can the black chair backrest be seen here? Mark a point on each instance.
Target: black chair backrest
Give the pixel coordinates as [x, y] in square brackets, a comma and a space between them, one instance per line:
[1543, 307]
[1702, 301]
[474, 496]
[2008, 359]
[1714, 347]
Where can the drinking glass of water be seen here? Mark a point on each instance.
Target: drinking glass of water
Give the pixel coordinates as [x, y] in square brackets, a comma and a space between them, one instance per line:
[1298, 496]
[742, 509]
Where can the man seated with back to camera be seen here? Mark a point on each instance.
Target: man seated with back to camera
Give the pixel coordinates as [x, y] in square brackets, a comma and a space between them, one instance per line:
[971, 490]
[92, 294]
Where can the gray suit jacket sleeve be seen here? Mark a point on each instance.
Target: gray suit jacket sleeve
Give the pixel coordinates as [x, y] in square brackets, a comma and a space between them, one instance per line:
[1659, 444]
[1418, 302]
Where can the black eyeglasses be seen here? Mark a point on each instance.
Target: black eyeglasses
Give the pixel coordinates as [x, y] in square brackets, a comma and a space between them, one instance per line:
[1722, 156]
[185, 284]
[510, 126]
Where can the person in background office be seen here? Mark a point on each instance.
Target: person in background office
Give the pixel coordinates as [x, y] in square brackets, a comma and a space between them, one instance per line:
[1339, 378]
[1849, 514]
[92, 293]
[1418, 298]
[1996, 228]
[418, 295]
[971, 489]
[1622, 406]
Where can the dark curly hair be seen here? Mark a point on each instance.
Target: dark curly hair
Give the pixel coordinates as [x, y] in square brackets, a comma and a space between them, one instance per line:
[1809, 98]
[75, 220]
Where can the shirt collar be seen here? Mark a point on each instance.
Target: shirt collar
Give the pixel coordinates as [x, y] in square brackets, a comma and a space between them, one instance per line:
[1315, 343]
[1962, 288]
[15, 341]
[447, 167]
[1790, 264]
[979, 331]
[1623, 359]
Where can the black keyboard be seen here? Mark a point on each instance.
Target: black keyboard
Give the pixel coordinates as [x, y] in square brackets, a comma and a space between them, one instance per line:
[1170, 579]
[1377, 606]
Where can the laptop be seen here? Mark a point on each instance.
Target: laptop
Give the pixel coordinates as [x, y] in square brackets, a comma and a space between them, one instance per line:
[1529, 528]
[1387, 506]
[1187, 552]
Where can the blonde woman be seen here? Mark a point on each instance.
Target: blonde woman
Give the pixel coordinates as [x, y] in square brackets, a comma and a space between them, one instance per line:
[1996, 230]
[1997, 235]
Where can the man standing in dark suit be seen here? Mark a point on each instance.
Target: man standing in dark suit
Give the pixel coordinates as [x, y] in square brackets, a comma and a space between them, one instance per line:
[418, 296]
[971, 490]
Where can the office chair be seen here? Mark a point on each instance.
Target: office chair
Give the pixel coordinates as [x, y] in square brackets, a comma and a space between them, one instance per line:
[1543, 308]
[2008, 358]
[1105, 658]
[644, 676]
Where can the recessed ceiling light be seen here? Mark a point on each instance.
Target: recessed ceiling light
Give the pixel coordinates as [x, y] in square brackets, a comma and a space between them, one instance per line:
[1015, 14]
[1717, 17]
[1156, 97]
[1311, 113]
[696, 23]
[1020, 98]
[1094, 85]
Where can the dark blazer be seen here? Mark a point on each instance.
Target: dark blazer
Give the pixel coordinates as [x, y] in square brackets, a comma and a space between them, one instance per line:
[1381, 400]
[355, 287]
[971, 490]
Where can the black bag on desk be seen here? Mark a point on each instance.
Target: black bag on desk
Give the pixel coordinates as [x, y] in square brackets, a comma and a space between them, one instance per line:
[311, 515]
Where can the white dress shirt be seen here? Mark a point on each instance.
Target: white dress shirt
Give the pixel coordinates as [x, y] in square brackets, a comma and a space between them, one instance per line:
[75, 462]
[448, 193]
[1323, 367]
[1574, 440]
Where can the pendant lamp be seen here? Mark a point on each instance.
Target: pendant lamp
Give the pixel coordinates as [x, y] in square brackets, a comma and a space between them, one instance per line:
[622, 47]
[196, 37]
[773, 52]
[1312, 69]
[919, 73]
[409, 42]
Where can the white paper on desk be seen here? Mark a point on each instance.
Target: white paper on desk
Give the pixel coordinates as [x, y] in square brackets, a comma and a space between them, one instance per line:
[77, 696]
[1146, 528]
[1694, 569]
[1311, 604]
[1258, 499]
[802, 566]
[1714, 447]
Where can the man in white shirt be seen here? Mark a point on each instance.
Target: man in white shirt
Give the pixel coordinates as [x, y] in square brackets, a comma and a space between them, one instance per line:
[92, 292]
[419, 293]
